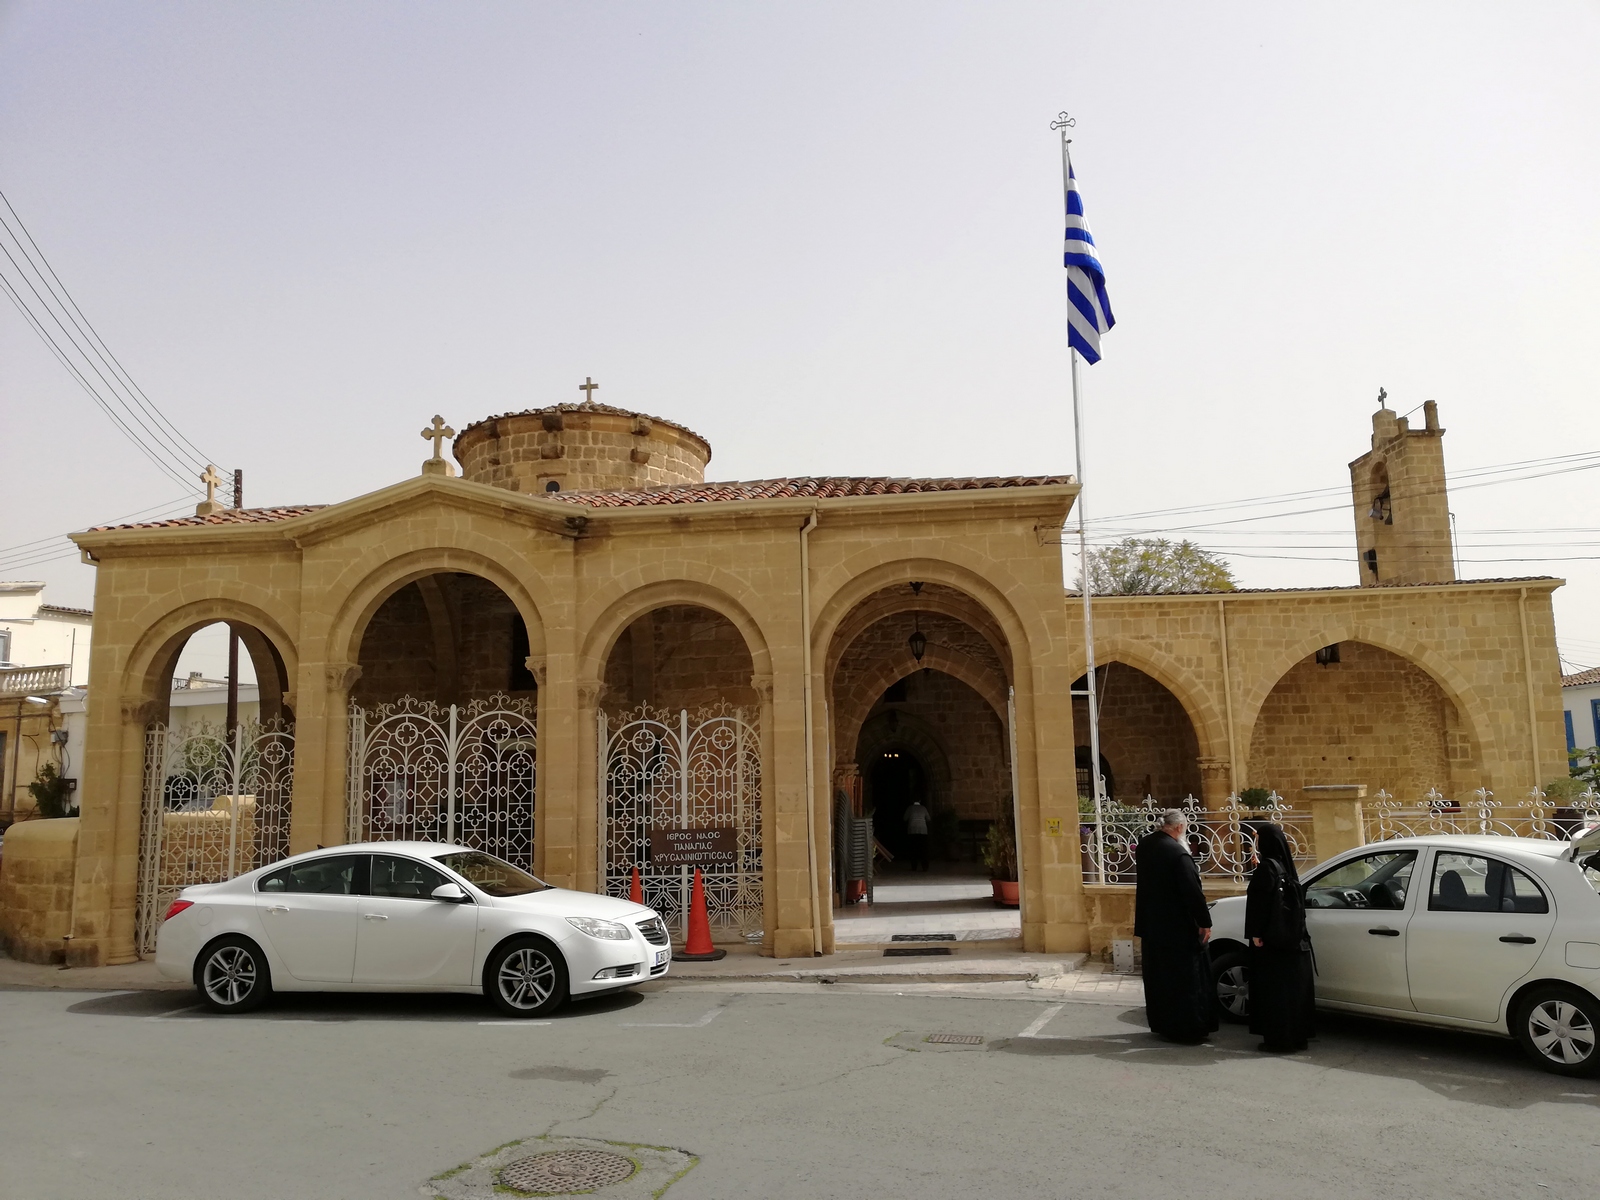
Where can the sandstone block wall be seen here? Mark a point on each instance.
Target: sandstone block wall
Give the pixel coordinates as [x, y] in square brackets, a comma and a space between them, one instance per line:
[36, 881]
[580, 449]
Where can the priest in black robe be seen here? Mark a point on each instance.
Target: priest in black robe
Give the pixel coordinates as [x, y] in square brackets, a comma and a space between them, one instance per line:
[1173, 922]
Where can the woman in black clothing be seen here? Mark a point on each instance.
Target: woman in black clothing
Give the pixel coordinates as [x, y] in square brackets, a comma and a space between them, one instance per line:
[1282, 1001]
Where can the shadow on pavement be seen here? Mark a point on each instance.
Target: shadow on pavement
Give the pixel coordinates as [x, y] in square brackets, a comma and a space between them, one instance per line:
[1457, 1065]
[339, 1007]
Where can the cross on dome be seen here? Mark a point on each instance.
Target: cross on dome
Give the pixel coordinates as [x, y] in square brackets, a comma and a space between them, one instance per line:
[587, 387]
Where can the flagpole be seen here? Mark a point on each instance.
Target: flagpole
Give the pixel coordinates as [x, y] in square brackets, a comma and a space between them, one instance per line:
[1097, 781]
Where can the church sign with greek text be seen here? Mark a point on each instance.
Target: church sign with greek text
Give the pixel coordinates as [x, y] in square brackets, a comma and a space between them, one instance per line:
[714, 847]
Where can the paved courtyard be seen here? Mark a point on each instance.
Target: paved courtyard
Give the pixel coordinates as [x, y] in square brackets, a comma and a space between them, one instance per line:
[777, 1089]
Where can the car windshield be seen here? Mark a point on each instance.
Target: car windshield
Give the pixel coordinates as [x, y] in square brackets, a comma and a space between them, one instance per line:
[492, 875]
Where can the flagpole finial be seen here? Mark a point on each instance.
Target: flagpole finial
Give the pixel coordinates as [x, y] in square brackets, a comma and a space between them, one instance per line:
[1063, 122]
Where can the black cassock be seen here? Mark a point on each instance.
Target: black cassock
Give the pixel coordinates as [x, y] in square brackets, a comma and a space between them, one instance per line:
[1282, 1000]
[1169, 913]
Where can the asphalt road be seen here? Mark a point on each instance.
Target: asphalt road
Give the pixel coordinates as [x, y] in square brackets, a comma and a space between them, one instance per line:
[794, 1090]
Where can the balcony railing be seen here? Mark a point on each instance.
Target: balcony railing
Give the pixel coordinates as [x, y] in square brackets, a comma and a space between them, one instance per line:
[35, 681]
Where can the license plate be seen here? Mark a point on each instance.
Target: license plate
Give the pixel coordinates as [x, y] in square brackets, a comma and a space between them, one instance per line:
[662, 956]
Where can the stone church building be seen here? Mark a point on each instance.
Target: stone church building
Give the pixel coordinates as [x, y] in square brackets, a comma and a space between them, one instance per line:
[577, 644]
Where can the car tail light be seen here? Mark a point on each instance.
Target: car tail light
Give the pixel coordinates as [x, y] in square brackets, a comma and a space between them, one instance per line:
[177, 907]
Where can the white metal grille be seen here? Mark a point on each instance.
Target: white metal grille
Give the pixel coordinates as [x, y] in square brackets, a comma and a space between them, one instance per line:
[684, 770]
[1220, 846]
[465, 774]
[1534, 816]
[214, 807]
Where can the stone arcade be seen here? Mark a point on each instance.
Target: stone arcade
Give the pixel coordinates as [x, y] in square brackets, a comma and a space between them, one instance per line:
[579, 641]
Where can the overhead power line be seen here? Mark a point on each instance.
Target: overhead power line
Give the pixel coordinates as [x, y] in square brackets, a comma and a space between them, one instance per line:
[38, 293]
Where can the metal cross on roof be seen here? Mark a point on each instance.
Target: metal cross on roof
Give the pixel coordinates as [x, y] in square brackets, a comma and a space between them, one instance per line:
[437, 432]
[587, 387]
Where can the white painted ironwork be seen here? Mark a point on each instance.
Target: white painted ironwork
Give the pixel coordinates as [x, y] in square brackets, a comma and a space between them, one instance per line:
[462, 773]
[214, 807]
[1536, 815]
[1220, 846]
[684, 770]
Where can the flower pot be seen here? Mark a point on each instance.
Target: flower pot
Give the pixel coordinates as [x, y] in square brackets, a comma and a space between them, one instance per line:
[1005, 892]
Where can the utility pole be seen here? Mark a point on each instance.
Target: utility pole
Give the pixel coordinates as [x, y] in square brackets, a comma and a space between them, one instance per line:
[233, 637]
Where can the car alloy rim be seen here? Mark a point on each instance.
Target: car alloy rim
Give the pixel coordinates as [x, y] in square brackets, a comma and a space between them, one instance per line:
[1561, 1031]
[230, 975]
[527, 977]
[1233, 990]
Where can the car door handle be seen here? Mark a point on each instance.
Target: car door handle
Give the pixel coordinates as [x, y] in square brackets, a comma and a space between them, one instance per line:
[1520, 939]
[1385, 932]
[277, 908]
[373, 917]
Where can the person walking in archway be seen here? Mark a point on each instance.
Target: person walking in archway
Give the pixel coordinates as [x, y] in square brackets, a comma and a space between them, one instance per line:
[1173, 922]
[916, 818]
[1282, 1004]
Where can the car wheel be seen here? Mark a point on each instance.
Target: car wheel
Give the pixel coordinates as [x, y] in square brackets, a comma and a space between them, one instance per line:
[1230, 975]
[1558, 1027]
[526, 977]
[232, 975]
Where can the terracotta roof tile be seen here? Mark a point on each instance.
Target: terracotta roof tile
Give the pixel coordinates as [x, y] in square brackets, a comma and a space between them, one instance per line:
[227, 516]
[804, 488]
[586, 407]
[1592, 675]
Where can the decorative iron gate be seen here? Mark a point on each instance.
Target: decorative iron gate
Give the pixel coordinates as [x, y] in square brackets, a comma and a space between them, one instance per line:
[677, 772]
[419, 772]
[214, 807]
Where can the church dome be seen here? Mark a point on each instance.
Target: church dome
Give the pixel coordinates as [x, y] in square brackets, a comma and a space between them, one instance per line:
[580, 448]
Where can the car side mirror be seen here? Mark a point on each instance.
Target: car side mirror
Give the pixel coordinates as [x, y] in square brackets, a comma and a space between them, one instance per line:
[451, 893]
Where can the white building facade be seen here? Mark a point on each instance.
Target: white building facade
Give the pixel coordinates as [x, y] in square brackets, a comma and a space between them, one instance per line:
[1580, 697]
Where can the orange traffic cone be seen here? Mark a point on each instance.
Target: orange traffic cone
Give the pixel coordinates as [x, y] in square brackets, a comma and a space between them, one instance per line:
[636, 889]
[699, 947]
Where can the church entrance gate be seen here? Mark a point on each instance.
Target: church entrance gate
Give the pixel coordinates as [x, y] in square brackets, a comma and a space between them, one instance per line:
[700, 770]
[215, 806]
[463, 774]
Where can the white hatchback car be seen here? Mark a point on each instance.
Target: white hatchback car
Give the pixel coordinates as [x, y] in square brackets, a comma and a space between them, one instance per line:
[1494, 934]
[406, 917]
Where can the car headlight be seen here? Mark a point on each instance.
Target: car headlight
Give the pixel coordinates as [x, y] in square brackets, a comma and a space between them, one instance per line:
[607, 931]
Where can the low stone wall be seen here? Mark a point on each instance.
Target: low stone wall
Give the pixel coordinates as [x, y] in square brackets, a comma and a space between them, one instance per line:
[1110, 910]
[36, 876]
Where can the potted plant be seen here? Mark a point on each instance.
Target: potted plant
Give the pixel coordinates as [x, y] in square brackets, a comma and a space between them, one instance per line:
[1000, 856]
[1256, 798]
[51, 793]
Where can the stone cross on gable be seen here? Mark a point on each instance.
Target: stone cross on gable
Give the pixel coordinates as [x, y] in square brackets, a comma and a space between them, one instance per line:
[212, 480]
[587, 387]
[436, 433]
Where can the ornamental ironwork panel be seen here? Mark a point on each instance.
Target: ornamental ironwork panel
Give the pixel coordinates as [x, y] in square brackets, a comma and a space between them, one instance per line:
[1536, 815]
[697, 770]
[462, 773]
[1217, 839]
[214, 807]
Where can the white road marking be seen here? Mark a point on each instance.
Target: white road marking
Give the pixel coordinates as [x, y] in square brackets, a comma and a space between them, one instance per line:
[175, 1014]
[700, 1024]
[1032, 1031]
[514, 1023]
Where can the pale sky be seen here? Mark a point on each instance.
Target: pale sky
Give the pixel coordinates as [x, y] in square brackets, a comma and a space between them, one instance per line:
[826, 237]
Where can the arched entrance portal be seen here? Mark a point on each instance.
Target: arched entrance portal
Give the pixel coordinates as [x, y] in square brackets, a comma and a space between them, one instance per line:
[219, 765]
[443, 732]
[680, 738]
[1355, 713]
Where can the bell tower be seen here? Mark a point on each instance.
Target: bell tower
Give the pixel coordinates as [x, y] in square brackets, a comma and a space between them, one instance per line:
[1402, 513]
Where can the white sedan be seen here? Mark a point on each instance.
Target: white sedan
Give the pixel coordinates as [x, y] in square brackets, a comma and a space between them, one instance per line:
[1498, 935]
[406, 917]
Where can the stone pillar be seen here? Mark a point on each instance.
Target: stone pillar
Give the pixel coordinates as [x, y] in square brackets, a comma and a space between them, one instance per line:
[1214, 782]
[590, 815]
[786, 857]
[1336, 819]
[769, 836]
[317, 807]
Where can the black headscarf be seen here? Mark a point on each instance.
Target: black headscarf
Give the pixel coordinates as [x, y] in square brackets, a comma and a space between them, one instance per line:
[1272, 845]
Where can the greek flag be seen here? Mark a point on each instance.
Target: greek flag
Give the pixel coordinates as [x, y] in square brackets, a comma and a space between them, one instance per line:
[1088, 306]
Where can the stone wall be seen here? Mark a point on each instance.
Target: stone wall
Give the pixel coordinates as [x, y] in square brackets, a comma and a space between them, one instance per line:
[679, 656]
[36, 879]
[943, 719]
[1145, 736]
[1372, 718]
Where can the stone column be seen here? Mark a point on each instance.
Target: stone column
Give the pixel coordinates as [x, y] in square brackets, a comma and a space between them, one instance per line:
[590, 814]
[1336, 818]
[769, 836]
[317, 809]
[106, 877]
[1214, 782]
[786, 857]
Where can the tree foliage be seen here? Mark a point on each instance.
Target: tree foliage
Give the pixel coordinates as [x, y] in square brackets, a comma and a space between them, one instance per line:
[1144, 566]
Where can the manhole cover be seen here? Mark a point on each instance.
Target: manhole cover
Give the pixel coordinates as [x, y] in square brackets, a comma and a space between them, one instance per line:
[915, 951]
[922, 937]
[566, 1171]
[955, 1039]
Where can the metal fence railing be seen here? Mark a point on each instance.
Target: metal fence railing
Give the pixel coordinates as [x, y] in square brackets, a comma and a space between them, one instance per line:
[1217, 839]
